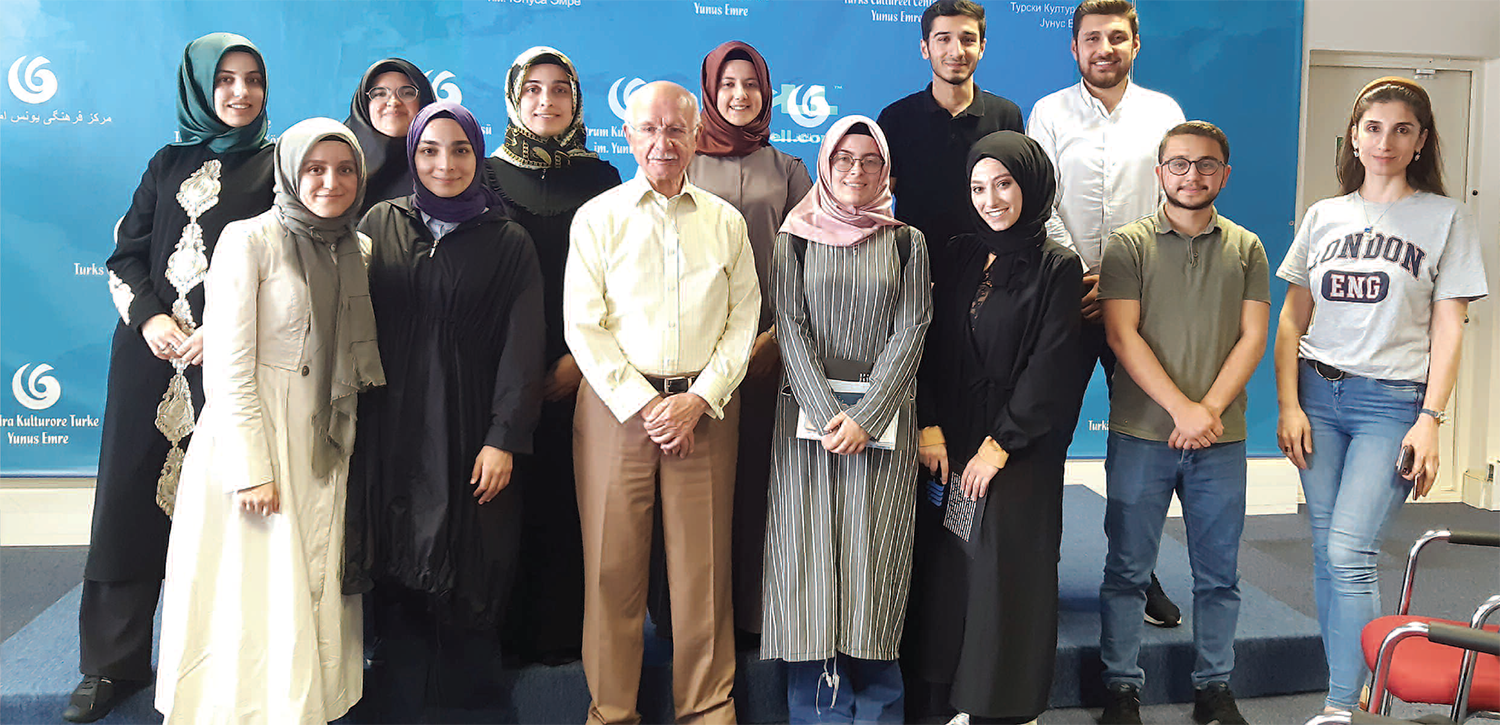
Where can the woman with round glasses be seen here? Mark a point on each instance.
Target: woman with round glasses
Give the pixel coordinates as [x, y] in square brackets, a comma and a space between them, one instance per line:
[736, 162]
[1367, 350]
[390, 94]
[219, 170]
[544, 172]
[852, 300]
[997, 418]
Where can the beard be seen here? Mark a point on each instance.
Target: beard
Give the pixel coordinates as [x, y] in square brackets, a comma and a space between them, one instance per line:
[1174, 201]
[1104, 80]
[952, 77]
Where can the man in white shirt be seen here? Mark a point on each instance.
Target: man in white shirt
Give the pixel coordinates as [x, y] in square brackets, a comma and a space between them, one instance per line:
[660, 305]
[1102, 135]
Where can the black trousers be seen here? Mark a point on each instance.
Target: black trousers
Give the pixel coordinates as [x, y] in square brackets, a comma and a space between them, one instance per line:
[115, 627]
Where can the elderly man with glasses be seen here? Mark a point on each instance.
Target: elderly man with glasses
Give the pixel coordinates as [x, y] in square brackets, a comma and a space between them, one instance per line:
[660, 305]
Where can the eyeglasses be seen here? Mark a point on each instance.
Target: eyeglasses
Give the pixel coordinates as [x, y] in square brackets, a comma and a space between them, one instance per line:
[842, 163]
[673, 133]
[1207, 166]
[405, 94]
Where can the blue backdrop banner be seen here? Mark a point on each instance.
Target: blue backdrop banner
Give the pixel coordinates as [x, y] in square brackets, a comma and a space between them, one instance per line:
[90, 89]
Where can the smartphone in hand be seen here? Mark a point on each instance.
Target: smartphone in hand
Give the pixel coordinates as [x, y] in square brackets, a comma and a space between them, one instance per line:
[1406, 461]
[933, 489]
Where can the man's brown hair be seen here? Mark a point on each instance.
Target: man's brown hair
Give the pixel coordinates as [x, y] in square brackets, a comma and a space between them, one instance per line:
[1123, 8]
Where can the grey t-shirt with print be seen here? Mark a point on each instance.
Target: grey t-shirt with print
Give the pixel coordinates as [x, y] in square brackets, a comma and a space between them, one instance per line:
[1373, 293]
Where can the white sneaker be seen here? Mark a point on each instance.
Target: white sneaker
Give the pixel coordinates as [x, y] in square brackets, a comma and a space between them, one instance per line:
[963, 719]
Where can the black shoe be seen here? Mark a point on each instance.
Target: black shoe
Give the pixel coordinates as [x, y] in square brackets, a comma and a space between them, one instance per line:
[1213, 704]
[1122, 705]
[1160, 610]
[95, 696]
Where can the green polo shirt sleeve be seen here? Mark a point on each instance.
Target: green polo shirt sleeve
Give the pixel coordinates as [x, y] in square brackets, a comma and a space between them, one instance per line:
[1257, 272]
[1120, 270]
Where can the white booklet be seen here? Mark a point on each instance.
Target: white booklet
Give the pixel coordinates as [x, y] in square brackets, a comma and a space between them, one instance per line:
[848, 392]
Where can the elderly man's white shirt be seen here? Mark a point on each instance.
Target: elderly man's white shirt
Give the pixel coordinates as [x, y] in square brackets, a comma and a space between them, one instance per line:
[659, 286]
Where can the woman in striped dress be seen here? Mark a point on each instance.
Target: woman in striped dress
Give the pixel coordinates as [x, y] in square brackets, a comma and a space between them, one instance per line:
[852, 302]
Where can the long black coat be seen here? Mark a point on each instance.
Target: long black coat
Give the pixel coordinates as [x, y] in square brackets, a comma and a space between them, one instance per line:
[988, 624]
[459, 323]
[129, 540]
[546, 608]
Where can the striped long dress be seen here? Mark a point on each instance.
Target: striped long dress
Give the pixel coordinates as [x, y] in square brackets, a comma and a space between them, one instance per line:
[839, 530]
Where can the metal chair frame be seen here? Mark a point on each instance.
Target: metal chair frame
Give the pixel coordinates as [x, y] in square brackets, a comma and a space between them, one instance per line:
[1459, 711]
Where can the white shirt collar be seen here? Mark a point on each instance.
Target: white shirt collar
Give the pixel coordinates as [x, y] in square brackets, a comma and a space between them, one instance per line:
[1093, 102]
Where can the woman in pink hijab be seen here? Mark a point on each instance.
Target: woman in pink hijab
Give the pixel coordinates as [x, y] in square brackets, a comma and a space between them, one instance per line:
[853, 300]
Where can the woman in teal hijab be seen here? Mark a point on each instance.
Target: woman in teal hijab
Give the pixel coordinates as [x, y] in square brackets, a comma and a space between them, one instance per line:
[217, 170]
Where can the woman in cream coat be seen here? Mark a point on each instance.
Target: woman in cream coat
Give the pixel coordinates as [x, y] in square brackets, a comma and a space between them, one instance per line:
[255, 627]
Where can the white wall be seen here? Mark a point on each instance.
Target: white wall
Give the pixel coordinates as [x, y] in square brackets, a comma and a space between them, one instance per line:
[1483, 439]
[1452, 28]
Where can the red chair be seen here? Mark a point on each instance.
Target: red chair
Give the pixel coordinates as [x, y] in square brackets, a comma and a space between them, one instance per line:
[1444, 634]
[1420, 670]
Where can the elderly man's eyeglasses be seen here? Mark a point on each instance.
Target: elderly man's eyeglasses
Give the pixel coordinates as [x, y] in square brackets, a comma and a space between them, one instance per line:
[671, 133]
[380, 94]
[869, 164]
[1207, 166]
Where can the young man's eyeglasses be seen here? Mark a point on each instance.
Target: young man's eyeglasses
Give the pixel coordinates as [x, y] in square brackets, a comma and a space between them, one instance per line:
[1208, 166]
[404, 93]
[869, 164]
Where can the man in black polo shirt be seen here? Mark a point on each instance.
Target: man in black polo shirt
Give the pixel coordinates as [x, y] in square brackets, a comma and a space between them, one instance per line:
[930, 131]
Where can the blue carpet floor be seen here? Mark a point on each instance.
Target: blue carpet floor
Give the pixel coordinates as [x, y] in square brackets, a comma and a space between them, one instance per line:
[1278, 650]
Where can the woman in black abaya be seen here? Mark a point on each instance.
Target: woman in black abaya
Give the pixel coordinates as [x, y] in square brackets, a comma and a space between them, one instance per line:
[996, 408]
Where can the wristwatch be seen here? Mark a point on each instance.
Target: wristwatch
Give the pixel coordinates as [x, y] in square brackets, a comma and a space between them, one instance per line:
[1440, 416]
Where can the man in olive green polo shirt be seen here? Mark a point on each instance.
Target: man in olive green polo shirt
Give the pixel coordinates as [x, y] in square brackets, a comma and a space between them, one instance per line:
[1186, 301]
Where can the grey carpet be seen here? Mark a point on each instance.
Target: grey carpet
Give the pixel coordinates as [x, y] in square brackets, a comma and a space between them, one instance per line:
[34, 577]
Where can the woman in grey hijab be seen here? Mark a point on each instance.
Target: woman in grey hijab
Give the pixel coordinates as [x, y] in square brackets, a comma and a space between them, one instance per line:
[255, 626]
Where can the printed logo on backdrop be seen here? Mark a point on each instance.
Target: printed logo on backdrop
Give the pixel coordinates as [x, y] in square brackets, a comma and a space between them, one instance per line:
[619, 99]
[713, 8]
[889, 11]
[37, 85]
[445, 90]
[32, 83]
[37, 391]
[563, 3]
[807, 106]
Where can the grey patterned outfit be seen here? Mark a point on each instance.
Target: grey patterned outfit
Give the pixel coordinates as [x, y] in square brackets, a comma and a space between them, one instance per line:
[839, 532]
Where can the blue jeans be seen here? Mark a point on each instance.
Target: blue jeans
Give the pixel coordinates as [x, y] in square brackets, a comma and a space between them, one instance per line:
[1141, 476]
[845, 690]
[1352, 491]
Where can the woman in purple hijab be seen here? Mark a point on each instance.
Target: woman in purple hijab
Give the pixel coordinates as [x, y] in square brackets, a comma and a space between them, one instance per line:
[457, 294]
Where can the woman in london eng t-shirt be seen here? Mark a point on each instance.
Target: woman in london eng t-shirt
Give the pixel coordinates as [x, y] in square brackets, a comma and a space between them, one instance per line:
[1367, 352]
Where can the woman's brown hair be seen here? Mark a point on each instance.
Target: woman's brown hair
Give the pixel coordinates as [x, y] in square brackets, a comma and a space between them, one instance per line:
[1424, 173]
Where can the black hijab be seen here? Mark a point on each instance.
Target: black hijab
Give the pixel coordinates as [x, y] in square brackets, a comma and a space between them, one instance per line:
[1029, 166]
[1019, 246]
[387, 173]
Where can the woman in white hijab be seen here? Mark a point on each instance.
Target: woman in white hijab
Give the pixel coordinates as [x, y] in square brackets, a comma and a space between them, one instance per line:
[255, 627]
